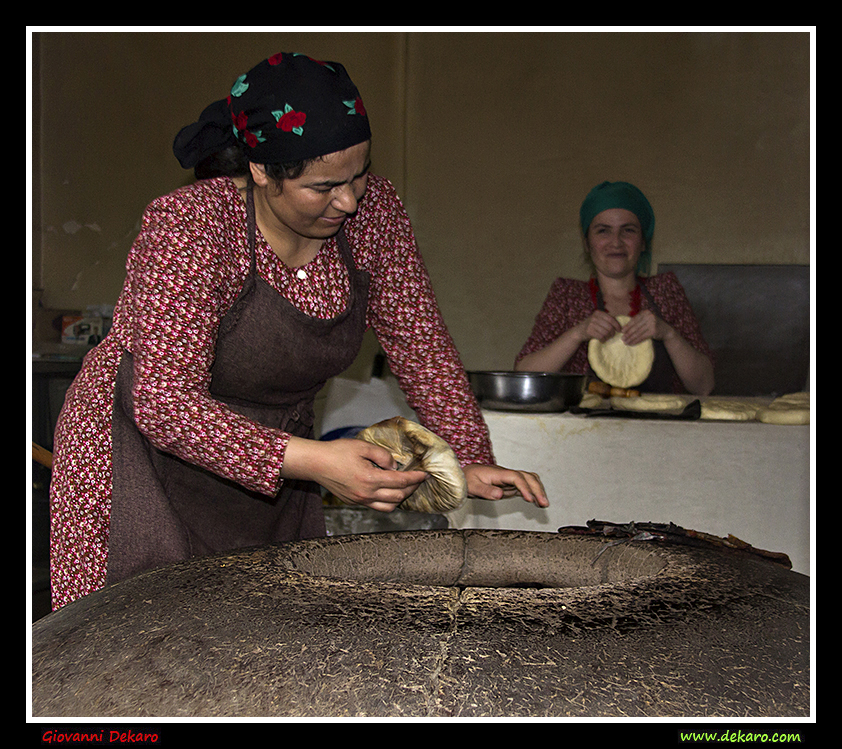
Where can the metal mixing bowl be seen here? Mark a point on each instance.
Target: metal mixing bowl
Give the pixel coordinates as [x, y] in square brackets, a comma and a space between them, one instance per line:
[527, 391]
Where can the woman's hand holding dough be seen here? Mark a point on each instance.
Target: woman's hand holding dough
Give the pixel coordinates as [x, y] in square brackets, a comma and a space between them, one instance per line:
[644, 326]
[598, 326]
[355, 471]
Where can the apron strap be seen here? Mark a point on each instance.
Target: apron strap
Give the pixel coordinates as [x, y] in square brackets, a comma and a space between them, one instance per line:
[662, 378]
[652, 303]
[251, 227]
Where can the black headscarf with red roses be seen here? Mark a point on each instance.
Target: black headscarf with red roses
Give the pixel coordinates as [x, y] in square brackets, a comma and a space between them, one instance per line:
[287, 108]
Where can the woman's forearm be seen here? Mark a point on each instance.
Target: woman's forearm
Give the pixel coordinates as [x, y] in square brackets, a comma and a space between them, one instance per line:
[694, 369]
[553, 356]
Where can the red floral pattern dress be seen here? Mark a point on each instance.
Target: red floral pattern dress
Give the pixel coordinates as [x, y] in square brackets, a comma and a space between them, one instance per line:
[184, 271]
[570, 301]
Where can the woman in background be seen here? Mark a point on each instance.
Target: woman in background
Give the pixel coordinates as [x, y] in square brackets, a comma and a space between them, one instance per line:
[618, 224]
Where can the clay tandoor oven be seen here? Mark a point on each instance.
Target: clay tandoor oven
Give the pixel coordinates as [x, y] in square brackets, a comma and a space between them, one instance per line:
[436, 623]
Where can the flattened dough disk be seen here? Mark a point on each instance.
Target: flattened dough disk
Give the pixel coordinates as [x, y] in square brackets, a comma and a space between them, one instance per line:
[788, 409]
[618, 364]
[650, 402]
[717, 409]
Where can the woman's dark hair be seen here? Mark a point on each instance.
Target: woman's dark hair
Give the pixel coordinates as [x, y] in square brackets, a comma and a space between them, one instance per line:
[232, 162]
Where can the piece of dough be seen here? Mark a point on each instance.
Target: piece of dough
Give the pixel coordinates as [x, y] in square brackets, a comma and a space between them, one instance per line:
[729, 410]
[793, 408]
[417, 448]
[650, 402]
[592, 400]
[618, 364]
[796, 399]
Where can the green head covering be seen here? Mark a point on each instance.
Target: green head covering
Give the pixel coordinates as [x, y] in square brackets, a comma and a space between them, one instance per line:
[621, 195]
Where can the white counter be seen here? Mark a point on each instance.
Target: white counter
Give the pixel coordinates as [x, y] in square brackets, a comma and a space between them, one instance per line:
[748, 479]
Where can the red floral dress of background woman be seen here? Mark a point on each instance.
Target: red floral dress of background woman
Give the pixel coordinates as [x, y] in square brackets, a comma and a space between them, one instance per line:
[570, 301]
[184, 271]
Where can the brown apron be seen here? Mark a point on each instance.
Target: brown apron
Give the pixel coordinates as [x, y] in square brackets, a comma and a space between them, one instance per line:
[271, 360]
[663, 377]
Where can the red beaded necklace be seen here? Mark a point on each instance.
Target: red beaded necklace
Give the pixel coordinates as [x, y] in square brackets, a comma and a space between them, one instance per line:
[634, 303]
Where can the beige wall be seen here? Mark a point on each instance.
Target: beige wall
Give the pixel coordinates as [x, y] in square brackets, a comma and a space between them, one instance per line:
[492, 140]
[109, 106]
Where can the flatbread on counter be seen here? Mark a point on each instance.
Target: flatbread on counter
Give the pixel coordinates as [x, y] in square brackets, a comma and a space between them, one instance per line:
[618, 364]
[592, 400]
[727, 409]
[651, 402]
[793, 408]
[787, 409]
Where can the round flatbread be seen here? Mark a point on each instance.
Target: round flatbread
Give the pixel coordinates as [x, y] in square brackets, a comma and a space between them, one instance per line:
[650, 402]
[717, 409]
[417, 448]
[618, 364]
[793, 408]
